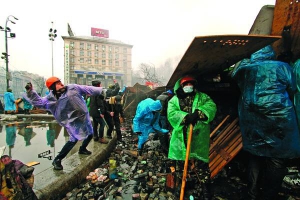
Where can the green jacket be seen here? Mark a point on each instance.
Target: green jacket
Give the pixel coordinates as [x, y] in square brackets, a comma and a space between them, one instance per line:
[201, 130]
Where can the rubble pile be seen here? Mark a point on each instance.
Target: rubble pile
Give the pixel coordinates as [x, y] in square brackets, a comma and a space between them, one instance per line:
[126, 175]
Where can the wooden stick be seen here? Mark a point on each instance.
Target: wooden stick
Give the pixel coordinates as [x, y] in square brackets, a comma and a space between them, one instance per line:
[187, 155]
[214, 131]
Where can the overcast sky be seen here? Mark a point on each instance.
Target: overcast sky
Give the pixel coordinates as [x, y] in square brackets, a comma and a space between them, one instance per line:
[157, 29]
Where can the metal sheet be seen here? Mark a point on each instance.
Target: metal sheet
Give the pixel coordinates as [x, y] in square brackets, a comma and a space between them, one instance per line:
[213, 53]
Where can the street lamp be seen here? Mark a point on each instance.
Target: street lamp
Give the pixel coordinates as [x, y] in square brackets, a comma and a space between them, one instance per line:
[5, 54]
[52, 36]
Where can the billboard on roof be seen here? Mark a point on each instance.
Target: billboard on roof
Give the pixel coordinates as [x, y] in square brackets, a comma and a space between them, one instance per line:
[99, 32]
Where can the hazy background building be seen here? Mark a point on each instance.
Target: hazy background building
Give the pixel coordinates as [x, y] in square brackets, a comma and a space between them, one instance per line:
[96, 57]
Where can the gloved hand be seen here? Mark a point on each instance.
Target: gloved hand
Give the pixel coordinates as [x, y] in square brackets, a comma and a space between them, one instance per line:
[191, 118]
[138, 133]
[28, 87]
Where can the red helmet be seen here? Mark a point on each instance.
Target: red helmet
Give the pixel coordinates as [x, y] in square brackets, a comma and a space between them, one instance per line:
[187, 79]
[51, 80]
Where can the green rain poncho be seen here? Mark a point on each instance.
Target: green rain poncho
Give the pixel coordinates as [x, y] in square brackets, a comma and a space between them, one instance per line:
[201, 130]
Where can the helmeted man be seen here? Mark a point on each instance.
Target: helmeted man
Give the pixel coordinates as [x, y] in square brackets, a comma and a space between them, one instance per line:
[70, 111]
[189, 106]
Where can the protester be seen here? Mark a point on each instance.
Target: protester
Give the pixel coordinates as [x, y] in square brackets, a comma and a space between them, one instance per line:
[293, 180]
[164, 99]
[267, 120]
[112, 91]
[27, 105]
[191, 107]
[116, 107]
[97, 110]
[146, 121]
[69, 109]
[9, 102]
[13, 179]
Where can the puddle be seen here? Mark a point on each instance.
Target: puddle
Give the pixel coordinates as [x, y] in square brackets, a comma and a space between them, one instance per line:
[33, 141]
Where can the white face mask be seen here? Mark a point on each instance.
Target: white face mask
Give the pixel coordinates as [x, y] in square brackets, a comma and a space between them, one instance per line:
[188, 89]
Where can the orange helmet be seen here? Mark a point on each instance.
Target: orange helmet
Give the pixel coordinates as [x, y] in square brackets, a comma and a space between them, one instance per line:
[187, 79]
[51, 80]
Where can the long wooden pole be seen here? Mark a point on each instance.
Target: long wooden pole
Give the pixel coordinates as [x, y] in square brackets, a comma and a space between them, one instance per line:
[186, 162]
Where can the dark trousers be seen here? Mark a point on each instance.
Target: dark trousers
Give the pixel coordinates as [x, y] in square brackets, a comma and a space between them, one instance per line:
[117, 124]
[109, 121]
[69, 146]
[98, 121]
[272, 172]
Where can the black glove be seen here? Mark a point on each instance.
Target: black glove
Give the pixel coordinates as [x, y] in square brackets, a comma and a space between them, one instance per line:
[28, 87]
[191, 118]
[138, 133]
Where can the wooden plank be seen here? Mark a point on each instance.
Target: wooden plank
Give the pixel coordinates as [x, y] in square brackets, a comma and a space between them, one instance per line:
[216, 53]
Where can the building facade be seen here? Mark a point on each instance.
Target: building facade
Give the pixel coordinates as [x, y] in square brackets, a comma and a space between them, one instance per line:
[89, 57]
[18, 81]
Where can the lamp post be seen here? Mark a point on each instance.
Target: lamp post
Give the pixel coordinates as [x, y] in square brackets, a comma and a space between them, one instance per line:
[52, 36]
[5, 54]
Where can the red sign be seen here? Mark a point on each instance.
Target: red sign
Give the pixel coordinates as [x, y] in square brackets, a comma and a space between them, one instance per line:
[100, 32]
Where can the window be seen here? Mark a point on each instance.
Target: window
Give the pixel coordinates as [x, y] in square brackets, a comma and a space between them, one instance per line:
[72, 67]
[89, 46]
[81, 53]
[89, 54]
[110, 55]
[124, 64]
[117, 63]
[103, 48]
[125, 50]
[96, 47]
[117, 56]
[103, 62]
[72, 60]
[110, 48]
[72, 52]
[116, 49]
[96, 54]
[103, 55]
[110, 62]
[81, 60]
[81, 45]
[72, 45]
[96, 61]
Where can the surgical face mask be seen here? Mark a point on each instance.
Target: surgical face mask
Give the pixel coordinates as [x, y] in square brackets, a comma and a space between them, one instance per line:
[188, 89]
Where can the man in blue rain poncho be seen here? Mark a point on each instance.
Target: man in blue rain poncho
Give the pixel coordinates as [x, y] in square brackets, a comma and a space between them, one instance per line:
[267, 120]
[189, 106]
[146, 121]
[69, 109]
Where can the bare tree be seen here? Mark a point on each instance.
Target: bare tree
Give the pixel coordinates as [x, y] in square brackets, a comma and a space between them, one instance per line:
[39, 84]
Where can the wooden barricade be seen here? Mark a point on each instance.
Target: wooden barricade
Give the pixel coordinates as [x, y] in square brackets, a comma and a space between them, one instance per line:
[224, 145]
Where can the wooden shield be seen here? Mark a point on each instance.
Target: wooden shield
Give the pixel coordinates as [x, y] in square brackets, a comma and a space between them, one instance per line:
[286, 22]
[214, 53]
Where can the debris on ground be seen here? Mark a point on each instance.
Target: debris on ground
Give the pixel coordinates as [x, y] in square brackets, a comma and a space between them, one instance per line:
[125, 175]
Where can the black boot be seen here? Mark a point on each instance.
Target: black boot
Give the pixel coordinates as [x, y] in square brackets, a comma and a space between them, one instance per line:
[57, 164]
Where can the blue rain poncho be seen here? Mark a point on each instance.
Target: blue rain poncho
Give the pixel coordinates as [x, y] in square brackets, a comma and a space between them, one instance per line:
[146, 120]
[266, 113]
[9, 101]
[69, 110]
[296, 73]
[200, 137]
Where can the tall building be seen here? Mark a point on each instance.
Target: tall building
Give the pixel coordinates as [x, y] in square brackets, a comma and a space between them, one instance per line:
[90, 57]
